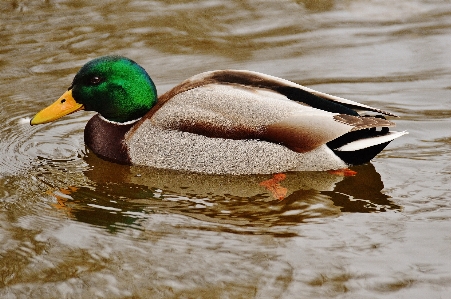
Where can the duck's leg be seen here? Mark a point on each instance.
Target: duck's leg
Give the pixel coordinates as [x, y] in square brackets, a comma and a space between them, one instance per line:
[62, 196]
[273, 186]
[343, 172]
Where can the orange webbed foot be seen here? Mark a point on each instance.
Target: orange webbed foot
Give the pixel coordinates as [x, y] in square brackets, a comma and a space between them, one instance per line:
[273, 186]
[343, 172]
[62, 199]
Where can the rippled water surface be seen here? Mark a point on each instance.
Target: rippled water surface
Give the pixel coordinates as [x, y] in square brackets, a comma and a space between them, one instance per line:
[75, 226]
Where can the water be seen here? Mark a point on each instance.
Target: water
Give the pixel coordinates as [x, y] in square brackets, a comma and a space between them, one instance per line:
[75, 226]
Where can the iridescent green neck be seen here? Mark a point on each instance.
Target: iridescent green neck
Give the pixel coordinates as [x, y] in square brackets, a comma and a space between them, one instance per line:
[116, 87]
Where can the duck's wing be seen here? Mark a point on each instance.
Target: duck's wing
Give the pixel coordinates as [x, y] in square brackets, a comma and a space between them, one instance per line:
[291, 90]
[249, 105]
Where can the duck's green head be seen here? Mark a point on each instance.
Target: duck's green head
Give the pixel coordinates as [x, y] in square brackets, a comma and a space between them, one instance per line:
[114, 86]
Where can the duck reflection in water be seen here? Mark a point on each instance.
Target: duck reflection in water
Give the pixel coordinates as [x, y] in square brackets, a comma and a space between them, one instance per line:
[124, 195]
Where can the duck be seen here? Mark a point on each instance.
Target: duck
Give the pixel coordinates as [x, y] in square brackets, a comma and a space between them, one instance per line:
[219, 122]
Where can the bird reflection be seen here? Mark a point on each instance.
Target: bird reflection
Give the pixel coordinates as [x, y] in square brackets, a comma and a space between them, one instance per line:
[122, 196]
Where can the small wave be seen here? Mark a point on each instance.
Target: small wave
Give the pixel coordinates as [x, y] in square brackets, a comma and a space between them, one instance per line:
[22, 145]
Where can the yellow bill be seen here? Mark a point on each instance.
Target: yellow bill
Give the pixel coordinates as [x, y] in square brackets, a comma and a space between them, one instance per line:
[63, 106]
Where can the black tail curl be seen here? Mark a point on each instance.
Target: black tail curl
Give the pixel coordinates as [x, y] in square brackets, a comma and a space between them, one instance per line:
[364, 155]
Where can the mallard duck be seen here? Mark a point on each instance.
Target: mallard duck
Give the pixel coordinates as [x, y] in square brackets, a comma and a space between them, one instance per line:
[219, 122]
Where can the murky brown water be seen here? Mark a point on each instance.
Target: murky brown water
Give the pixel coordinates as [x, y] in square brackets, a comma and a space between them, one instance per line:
[74, 226]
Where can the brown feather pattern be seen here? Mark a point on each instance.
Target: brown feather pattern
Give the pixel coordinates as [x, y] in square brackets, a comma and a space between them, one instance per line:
[360, 123]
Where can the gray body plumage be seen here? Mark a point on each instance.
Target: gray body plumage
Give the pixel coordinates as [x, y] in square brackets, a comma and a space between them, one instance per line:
[172, 149]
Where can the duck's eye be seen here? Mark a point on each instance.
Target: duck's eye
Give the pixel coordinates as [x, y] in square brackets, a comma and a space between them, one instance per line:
[95, 80]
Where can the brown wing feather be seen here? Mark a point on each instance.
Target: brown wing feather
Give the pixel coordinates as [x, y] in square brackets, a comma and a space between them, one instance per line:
[303, 133]
[360, 123]
[256, 79]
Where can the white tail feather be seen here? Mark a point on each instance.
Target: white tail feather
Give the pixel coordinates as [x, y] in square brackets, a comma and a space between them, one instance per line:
[368, 142]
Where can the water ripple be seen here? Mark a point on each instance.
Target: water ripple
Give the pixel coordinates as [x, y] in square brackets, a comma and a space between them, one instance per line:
[22, 145]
